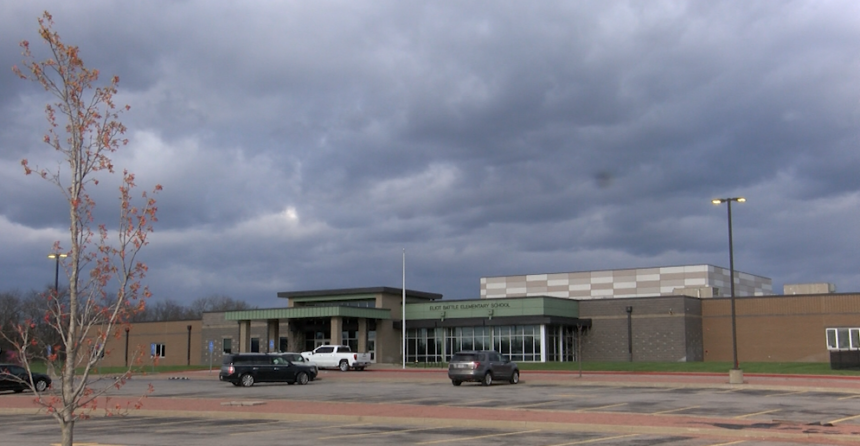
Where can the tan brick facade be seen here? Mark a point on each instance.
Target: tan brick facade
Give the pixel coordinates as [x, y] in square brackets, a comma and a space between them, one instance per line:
[776, 328]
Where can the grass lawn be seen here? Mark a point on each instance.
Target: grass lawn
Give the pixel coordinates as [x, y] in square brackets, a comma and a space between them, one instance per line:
[792, 368]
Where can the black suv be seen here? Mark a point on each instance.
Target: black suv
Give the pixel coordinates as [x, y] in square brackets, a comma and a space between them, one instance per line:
[482, 366]
[245, 369]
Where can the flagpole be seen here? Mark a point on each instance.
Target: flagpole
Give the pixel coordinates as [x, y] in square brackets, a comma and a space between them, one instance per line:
[403, 307]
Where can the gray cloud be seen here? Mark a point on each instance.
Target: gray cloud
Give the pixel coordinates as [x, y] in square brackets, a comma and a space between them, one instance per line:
[305, 145]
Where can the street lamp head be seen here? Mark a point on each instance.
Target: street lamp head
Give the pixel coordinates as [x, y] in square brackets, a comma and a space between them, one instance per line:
[726, 200]
[57, 256]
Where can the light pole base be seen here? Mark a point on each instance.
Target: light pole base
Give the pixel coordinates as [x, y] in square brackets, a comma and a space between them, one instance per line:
[736, 376]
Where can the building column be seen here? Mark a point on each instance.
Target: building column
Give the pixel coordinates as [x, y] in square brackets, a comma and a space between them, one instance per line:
[543, 339]
[244, 337]
[362, 334]
[336, 330]
[272, 333]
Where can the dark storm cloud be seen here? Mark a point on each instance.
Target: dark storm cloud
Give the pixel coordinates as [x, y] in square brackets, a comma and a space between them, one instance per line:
[305, 145]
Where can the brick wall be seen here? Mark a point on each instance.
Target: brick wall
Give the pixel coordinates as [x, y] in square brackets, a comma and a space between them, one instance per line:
[776, 328]
[663, 329]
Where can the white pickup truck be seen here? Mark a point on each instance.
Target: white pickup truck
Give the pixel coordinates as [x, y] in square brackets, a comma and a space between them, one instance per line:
[338, 356]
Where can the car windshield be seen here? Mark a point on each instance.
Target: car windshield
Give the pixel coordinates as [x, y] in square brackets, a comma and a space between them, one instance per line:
[464, 357]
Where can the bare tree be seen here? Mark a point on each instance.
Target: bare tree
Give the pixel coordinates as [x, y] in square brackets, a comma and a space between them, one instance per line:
[217, 303]
[84, 130]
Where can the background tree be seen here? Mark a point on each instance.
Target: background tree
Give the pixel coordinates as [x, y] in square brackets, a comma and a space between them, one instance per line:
[10, 317]
[99, 258]
[217, 303]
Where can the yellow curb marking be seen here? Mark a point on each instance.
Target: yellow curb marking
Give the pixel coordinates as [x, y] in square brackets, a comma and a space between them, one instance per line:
[727, 444]
[848, 397]
[451, 440]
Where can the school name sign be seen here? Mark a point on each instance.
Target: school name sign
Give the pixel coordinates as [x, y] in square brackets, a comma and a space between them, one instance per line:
[471, 306]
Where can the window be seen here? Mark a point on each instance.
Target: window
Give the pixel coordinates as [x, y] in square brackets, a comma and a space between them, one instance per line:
[843, 338]
[158, 350]
[255, 345]
[227, 346]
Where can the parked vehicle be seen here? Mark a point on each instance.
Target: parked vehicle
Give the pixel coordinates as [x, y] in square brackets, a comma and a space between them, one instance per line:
[298, 358]
[338, 356]
[482, 366]
[245, 369]
[15, 378]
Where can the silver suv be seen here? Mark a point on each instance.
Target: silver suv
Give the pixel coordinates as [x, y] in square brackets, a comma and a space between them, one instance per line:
[482, 366]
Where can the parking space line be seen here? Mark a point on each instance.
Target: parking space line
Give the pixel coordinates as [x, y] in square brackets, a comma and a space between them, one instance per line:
[451, 440]
[586, 409]
[729, 391]
[384, 432]
[844, 419]
[287, 429]
[787, 393]
[209, 426]
[89, 444]
[408, 401]
[532, 405]
[757, 413]
[470, 403]
[595, 440]
[675, 410]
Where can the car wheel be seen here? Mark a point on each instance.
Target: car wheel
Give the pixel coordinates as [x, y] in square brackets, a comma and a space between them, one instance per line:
[302, 379]
[515, 377]
[344, 366]
[488, 379]
[456, 382]
[247, 380]
[41, 385]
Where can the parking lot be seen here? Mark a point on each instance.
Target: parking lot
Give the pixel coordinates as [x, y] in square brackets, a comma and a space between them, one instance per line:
[424, 408]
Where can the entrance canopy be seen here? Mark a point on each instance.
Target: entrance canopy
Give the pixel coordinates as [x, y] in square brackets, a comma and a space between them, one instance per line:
[307, 313]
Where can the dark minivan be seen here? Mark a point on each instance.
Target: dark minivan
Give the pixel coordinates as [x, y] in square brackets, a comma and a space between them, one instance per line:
[482, 366]
[245, 369]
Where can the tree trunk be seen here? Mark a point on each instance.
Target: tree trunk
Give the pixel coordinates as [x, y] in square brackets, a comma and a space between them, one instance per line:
[68, 429]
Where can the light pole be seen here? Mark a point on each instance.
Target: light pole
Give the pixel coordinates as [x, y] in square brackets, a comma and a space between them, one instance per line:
[57, 257]
[735, 375]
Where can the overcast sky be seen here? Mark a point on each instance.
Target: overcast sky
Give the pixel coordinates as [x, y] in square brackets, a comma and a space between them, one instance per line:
[305, 145]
